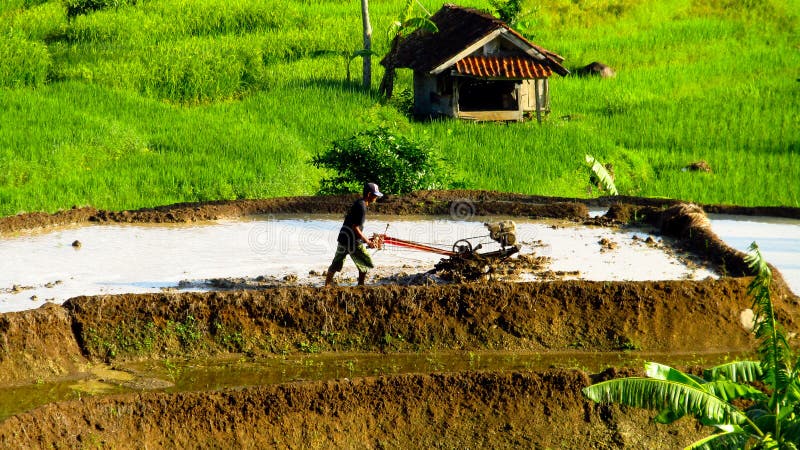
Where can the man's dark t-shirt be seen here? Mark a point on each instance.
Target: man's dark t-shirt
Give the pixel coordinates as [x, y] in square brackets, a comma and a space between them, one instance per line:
[354, 217]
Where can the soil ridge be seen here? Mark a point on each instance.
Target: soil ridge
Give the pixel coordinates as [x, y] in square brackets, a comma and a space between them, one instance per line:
[457, 203]
[490, 409]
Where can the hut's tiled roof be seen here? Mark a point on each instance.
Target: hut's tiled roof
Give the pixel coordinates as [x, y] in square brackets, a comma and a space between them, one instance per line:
[502, 67]
[459, 28]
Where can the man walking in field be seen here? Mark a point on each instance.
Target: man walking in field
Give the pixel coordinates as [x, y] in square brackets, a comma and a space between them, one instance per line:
[351, 237]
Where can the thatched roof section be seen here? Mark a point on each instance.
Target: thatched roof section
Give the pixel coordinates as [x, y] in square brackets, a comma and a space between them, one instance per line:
[459, 28]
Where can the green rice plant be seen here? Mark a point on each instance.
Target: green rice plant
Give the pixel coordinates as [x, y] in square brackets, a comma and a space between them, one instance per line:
[169, 100]
[23, 62]
[36, 22]
[197, 70]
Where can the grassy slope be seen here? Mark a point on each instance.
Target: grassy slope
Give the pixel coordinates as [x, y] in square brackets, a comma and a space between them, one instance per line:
[265, 90]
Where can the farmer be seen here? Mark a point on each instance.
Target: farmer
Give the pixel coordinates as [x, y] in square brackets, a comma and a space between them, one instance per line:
[351, 237]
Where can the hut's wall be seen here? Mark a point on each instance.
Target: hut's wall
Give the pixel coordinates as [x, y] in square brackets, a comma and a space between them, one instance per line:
[433, 95]
[529, 91]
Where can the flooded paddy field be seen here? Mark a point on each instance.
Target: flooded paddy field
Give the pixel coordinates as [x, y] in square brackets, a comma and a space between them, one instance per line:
[206, 324]
[268, 251]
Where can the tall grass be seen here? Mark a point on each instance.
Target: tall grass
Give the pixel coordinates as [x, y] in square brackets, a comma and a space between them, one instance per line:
[169, 100]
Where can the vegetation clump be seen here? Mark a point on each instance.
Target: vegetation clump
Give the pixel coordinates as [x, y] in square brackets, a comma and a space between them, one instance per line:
[79, 7]
[23, 62]
[398, 164]
[752, 404]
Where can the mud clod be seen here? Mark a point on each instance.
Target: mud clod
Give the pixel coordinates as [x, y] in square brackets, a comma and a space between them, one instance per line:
[607, 244]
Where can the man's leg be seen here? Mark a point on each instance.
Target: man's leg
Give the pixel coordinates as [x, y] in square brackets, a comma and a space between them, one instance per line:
[363, 262]
[336, 264]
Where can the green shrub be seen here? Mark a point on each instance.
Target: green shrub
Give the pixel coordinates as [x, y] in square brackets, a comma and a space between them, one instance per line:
[23, 63]
[398, 164]
[80, 7]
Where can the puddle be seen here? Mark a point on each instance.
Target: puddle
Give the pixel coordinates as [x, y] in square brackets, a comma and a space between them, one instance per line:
[221, 373]
[113, 259]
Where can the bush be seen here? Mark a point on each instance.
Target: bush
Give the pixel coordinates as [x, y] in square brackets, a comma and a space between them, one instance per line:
[23, 62]
[79, 7]
[398, 164]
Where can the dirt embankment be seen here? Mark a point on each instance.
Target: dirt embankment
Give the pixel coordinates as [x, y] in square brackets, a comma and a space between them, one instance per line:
[455, 410]
[457, 203]
[558, 315]
[601, 316]
[37, 344]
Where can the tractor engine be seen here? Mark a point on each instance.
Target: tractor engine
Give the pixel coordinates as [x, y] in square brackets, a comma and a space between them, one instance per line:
[503, 232]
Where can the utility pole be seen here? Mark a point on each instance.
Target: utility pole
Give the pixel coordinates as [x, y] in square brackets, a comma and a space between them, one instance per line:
[367, 44]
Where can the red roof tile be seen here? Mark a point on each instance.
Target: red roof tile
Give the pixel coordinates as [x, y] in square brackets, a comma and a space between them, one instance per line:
[502, 67]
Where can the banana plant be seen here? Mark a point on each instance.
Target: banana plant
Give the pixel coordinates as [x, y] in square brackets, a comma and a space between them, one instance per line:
[350, 56]
[405, 25]
[770, 420]
[601, 173]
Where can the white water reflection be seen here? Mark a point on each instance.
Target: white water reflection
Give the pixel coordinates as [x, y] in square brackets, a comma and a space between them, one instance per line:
[44, 266]
[778, 240]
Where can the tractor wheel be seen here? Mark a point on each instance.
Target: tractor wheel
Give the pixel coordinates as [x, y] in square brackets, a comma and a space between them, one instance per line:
[462, 247]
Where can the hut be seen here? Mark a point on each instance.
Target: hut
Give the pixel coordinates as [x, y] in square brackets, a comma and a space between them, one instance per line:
[476, 67]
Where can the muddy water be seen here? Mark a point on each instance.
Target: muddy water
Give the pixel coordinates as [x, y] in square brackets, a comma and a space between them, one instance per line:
[221, 373]
[36, 267]
[110, 259]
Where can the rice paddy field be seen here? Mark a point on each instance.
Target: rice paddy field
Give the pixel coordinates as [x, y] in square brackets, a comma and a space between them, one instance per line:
[151, 102]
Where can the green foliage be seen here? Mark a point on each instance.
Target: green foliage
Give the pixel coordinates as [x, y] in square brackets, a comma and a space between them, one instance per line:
[757, 419]
[515, 15]
[110, 122]
[23, 62]
[507, 10]
[186, 331]
[79, 7]
[408, 22]
[398, 164]
[601, 176]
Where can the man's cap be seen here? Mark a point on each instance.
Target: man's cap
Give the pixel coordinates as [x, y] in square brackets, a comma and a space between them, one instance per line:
[372, 188]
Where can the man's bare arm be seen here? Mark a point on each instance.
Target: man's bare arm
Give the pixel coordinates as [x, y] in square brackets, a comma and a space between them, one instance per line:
[360, 234]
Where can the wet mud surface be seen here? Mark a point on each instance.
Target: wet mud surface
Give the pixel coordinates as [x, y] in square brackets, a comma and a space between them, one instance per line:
[499, 408]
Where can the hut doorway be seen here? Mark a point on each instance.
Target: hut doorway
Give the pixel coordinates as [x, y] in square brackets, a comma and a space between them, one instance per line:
[487, 95]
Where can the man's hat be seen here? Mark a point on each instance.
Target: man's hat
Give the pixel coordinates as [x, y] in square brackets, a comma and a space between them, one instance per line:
[372, 188]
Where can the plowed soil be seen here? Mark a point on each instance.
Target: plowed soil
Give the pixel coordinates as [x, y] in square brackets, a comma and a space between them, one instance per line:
[497, 409]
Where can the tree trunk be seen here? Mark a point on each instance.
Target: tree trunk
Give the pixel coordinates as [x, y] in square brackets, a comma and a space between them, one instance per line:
[367, 79]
